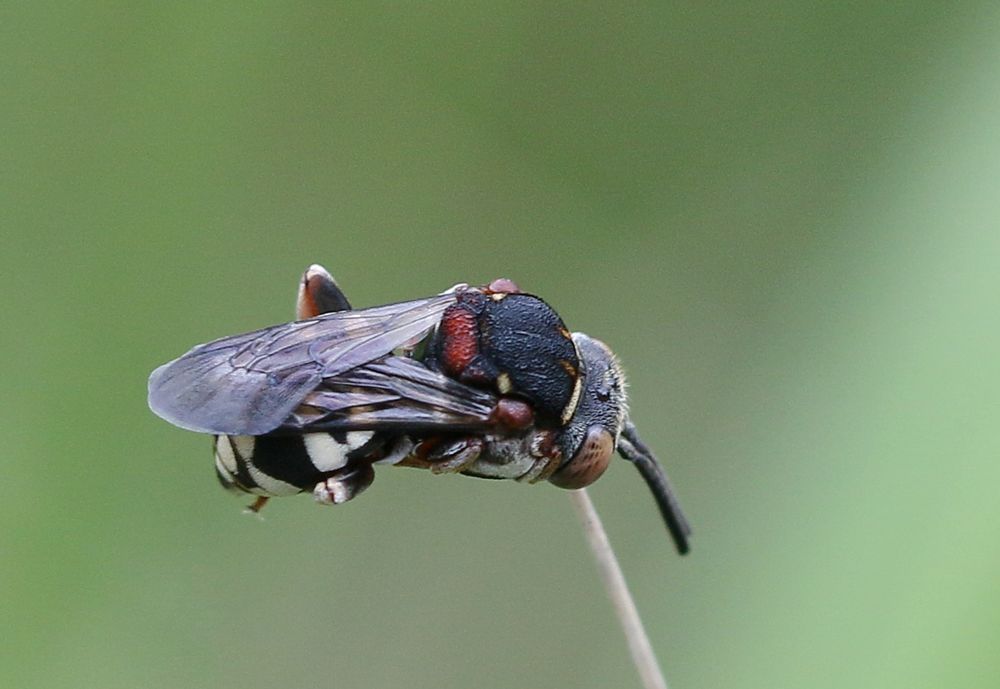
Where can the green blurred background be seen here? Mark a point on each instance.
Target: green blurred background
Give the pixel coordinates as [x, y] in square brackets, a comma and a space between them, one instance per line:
[783, 216]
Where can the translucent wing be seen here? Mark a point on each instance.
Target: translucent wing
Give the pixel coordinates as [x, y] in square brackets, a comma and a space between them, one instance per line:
[249, 384]
[393, 393]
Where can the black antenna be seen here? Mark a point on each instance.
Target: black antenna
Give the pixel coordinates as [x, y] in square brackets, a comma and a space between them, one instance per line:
[634, 450]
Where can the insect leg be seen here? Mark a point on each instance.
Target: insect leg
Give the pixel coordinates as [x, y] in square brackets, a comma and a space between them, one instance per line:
[319, 294]
[543, 447]
[445, 456]
[344, 485]
[455, 456]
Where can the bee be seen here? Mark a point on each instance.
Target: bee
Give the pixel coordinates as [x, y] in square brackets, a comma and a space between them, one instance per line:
[484, 381]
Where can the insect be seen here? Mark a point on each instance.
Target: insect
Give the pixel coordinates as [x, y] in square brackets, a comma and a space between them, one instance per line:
[482, 381]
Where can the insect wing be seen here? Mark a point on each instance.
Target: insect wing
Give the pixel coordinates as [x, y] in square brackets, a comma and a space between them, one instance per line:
[249, 384]
[394, 393]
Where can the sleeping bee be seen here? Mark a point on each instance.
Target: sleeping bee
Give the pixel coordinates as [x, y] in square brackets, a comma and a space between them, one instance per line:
[482, 381]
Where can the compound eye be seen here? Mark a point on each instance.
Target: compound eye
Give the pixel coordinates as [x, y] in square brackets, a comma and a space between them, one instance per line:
[589, 462]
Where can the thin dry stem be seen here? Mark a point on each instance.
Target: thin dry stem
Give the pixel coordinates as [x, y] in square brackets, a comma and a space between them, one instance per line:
[618, 592]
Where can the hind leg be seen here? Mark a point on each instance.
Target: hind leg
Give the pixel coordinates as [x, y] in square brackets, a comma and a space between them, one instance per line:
[319, 294]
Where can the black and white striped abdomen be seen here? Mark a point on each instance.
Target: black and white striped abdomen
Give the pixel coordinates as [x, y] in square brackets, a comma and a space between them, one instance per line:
[287, 464]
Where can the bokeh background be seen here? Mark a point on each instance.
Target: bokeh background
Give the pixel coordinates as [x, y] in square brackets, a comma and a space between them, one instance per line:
[782, 215]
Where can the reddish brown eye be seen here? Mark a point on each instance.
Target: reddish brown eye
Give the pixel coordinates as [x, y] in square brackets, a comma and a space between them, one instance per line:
[589, 462]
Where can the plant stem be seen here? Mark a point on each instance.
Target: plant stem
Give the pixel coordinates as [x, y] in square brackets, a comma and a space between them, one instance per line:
[614, 581]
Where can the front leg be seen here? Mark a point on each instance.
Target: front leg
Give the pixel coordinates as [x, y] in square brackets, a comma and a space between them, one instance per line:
[543, 448]
[319, 294]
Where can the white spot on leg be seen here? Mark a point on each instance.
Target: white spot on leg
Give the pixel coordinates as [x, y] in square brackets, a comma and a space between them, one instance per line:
[316, 270]
[331, 492]
[340, 492]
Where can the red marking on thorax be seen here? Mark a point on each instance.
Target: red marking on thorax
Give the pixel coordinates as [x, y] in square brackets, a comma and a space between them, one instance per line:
[461, 339]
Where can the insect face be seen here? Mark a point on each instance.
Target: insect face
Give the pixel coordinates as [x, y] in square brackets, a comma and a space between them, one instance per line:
[589, 439]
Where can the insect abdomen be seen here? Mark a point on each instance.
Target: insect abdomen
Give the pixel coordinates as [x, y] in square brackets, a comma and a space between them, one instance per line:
[276, 465]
